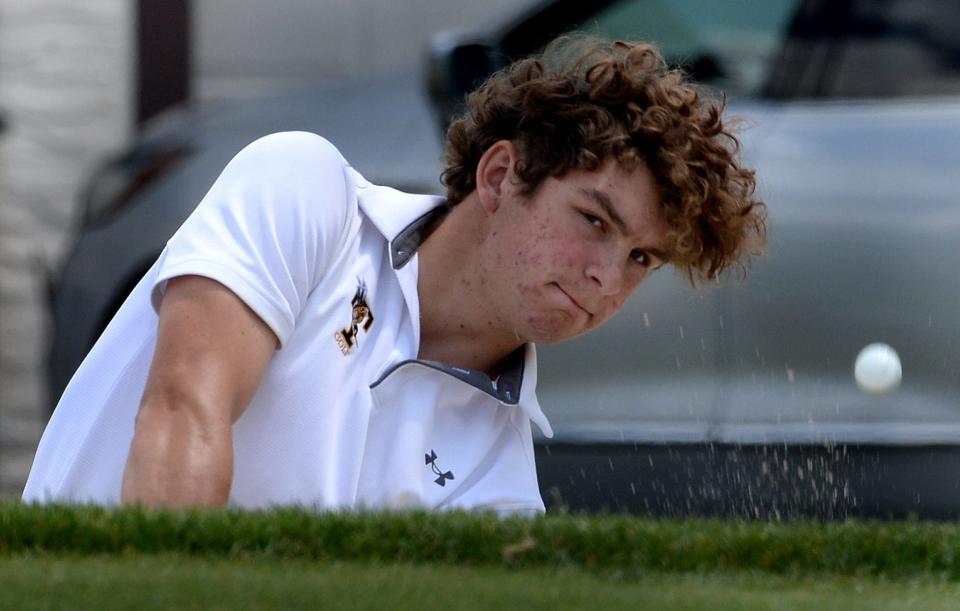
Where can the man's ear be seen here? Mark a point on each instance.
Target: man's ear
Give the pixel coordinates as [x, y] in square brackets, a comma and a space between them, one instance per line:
[494, 171]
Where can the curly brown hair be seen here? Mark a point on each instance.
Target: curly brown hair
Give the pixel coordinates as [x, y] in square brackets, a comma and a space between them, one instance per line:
[584, 100]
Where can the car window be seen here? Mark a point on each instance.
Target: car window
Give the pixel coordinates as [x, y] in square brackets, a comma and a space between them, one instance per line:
[897, 48]
[729, 45]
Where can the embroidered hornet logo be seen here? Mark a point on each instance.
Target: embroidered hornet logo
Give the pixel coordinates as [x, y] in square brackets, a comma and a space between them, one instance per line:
[362, 315]
[442, 477]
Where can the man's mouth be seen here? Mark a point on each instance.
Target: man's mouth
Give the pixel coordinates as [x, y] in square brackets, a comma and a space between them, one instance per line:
[574, 301]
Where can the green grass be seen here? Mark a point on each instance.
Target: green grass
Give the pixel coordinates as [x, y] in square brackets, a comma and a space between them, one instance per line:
[629, 546]
[167, 581]
[95, 558]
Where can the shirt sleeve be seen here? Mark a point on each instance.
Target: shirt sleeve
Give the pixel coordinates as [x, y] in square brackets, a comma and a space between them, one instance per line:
[268, 228]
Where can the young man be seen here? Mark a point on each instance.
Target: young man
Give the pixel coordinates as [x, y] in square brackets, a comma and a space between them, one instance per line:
[309, 338]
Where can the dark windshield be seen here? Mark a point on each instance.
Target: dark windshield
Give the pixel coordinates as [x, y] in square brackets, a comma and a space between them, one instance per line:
[897, 48]
[729, 45]
[799, 49]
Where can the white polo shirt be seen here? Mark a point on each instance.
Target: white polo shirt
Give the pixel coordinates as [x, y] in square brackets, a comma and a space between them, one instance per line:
[345, 416]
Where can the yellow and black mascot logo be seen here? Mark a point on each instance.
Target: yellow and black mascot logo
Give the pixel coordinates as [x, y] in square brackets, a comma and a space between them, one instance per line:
[362, 315]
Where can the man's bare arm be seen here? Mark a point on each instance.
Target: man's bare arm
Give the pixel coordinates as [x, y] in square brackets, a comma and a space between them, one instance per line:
[212, 351]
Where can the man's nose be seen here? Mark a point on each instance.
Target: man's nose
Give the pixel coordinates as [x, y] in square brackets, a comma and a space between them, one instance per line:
[606, 274]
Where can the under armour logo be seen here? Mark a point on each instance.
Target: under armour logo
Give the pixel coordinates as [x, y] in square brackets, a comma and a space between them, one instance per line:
[431, 459]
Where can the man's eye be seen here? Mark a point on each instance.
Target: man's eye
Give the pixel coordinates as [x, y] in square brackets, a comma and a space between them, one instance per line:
[640, 257]
[593, 220]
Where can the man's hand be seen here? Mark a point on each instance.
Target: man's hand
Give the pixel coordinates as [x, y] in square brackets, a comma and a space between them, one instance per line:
[212, 351]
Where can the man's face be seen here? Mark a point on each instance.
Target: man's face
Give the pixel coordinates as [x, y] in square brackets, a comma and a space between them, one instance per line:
[564, 260]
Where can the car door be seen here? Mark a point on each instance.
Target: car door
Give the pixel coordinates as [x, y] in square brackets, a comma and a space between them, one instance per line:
[860, 173]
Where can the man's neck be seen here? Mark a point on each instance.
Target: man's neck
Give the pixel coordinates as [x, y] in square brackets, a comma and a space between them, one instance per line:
[456, 325]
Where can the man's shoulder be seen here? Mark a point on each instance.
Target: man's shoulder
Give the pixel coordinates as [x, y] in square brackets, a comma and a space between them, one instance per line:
[287, 173]
[294, 142]
[289, 152]
[300, 163]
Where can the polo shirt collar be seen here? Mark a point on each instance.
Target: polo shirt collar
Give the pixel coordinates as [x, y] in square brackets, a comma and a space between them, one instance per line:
[516, 385]
[392, 212]
[528, 391]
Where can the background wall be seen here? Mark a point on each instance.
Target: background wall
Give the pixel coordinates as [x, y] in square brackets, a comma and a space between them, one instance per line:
[244, 45]
[65, 94]
[66, 90]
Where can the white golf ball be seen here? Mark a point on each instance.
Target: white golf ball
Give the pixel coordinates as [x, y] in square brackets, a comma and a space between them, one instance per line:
[877, 369]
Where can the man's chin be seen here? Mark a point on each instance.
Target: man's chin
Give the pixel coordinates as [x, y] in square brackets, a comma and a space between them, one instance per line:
[551, 335]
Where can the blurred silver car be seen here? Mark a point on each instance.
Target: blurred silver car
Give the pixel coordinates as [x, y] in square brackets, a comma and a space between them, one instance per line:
[735, 400]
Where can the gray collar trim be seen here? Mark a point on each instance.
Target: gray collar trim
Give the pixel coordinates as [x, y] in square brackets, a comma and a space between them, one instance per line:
[405, 245]
[505, 388]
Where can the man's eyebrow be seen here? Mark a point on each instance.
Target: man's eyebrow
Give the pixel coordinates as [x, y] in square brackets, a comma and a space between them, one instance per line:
[604, 201]
[663, 255]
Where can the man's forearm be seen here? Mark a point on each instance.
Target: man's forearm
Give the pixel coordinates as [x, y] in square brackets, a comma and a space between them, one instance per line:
[178, 458]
